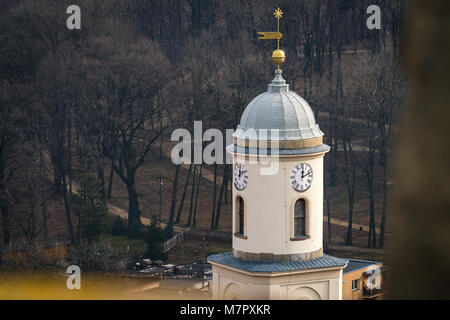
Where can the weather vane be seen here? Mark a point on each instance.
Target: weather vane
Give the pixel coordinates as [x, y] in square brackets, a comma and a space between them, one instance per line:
[278, 56]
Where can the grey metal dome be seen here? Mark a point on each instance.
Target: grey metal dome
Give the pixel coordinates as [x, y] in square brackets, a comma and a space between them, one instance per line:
[280, 110]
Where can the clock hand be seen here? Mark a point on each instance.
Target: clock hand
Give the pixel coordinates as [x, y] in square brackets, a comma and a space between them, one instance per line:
[307, 174]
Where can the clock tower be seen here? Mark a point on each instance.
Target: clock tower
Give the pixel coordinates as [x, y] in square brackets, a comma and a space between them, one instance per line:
[277, 252]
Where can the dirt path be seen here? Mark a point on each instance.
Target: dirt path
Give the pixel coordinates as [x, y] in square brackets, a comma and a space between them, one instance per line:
[114, 210]
[355, 226]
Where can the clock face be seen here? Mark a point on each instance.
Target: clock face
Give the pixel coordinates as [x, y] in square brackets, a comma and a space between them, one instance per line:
[240, 176]
[301, 177]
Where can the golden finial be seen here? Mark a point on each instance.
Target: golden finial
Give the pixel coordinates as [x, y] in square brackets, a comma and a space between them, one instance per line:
[278, 13]
[278, 56]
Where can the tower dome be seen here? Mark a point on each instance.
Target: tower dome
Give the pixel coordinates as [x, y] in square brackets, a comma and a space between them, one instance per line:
[278, 109]
[278, 115]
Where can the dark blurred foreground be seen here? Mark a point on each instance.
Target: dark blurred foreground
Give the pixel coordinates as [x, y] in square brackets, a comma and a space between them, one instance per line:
[421, 257]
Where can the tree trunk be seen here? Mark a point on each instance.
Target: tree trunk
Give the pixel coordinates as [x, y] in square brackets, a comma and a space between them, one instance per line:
[327, 201]
[331, 132]
[180, 208]
[226, 187]
[32, 231]
[191, 204]
[333, 155]
[174, 194]
[196, 195]
[222, 190]
[5, 223]
[110, 183]
[229, 190]
[383, 214]
[372, 199]
[372, 217]
[213, 211]
[3, 205]
[349, 234]
[350, 184]
[369, 169]
[67, 209]
[44, 205]
[82, 191]
[57, 178]
[44, 220]
[372, 238]
[160, 136]
[69, 154]
[101, 178]
[134, 214]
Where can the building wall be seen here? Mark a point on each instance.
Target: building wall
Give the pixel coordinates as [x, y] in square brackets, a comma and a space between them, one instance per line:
[316, 284]
[347, 278]
[269, 205]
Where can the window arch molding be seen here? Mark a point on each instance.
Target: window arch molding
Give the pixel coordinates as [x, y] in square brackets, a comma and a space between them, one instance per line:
[300, 232]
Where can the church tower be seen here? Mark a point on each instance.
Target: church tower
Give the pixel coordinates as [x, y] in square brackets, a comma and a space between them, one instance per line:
[278, 154]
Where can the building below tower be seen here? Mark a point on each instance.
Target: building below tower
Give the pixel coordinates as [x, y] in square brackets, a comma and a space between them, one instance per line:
[235, 279]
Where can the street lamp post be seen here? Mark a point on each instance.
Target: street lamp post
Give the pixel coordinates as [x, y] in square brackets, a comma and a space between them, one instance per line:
[160, 198]
[161, 183]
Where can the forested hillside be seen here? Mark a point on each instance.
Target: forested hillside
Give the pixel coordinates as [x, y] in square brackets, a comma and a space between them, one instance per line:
[86, 115]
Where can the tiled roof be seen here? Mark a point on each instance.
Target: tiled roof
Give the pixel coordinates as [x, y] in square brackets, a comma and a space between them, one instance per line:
[325, 261]
[354, 265]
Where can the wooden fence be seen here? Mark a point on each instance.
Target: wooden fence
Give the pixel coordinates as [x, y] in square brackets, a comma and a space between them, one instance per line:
[176, 239]
[215, 235]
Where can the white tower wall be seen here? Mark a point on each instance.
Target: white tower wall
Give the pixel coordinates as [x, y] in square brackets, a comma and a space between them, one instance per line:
[269, 209]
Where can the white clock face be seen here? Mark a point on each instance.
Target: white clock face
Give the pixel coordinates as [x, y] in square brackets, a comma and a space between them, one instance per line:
[301, 176]
[240, 176]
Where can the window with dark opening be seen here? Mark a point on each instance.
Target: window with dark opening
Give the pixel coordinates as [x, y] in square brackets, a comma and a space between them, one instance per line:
[241, 216]
[355, 284]
[300, 218]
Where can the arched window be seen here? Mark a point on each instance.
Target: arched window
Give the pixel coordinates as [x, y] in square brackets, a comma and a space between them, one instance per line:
[300, 218]
[240, 216]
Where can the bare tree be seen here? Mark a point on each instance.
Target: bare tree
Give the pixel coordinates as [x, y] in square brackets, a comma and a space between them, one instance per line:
[223, 186]
[58, 89]
[9, 136]
[391, 92]
[349, 172]
[378, 93]
[128, 86]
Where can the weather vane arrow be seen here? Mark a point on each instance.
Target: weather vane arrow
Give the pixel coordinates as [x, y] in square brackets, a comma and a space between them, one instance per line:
[278, 56]
[270, 35]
